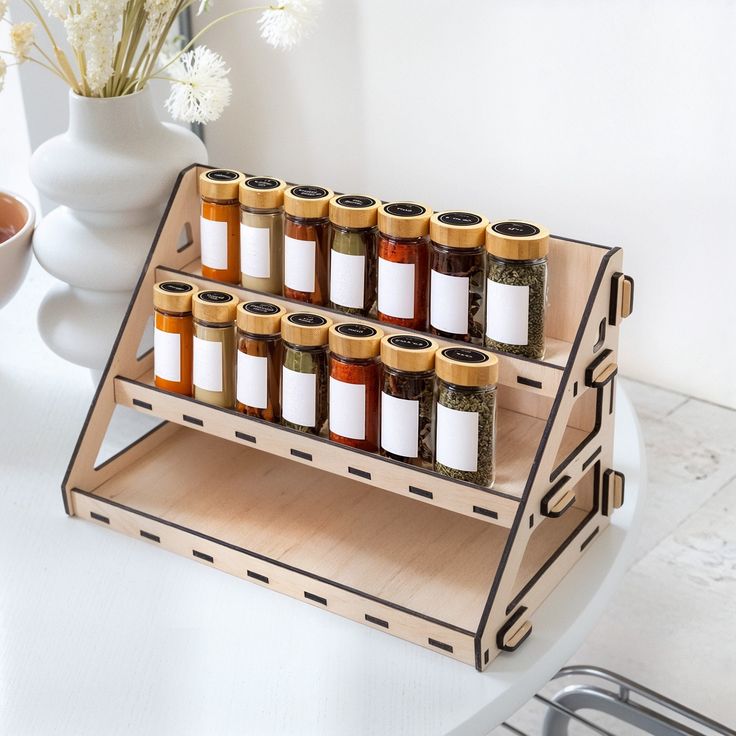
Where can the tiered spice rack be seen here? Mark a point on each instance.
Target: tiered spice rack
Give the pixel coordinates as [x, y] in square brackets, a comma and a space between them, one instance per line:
[454, 567]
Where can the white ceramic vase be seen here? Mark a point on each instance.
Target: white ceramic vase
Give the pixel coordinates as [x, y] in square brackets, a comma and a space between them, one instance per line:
[112, 172]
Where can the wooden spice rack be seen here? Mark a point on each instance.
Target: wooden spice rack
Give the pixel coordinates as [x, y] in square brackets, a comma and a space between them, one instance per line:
[452, 566]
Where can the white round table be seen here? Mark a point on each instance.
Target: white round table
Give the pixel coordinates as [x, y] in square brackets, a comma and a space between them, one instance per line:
[100, 634]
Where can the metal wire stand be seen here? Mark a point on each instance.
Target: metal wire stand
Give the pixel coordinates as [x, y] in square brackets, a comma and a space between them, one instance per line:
[614, 706]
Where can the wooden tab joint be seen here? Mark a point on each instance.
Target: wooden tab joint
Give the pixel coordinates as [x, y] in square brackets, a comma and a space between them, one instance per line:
[622, 298]
[558, 500]
[614, 484]
[514, 632]
[601, 370]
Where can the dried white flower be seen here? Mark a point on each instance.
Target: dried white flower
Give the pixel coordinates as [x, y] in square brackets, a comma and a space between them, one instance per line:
[3, 70]
[3, 8]
[21, 40]
[158, 13]
[57, 8]
[200, 90]
[287, 23]
[204, 5]
[92, 29]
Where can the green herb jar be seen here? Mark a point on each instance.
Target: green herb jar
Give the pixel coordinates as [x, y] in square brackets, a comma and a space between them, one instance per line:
[465, 444]
[305, 371]
[407, 399]
[353, 235]
[457, 275]
[516, 288]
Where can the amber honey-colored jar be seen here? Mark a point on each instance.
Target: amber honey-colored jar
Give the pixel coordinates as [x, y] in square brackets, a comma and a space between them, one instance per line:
[172, 336]
[259, 360]
[219, 225]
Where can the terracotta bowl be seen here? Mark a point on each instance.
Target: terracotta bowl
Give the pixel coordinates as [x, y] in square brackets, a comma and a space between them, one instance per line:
[17, 220]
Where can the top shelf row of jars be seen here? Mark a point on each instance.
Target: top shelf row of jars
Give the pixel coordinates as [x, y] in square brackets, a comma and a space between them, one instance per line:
[452, 274]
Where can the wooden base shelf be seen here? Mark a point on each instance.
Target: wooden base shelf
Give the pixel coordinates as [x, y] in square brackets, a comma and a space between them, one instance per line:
[454, 567]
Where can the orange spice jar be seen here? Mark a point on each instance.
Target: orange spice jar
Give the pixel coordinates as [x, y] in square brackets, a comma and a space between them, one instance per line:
[219, 225]
[172, 336]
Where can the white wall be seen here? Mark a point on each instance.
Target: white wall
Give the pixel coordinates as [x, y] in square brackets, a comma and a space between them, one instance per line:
[608, 121]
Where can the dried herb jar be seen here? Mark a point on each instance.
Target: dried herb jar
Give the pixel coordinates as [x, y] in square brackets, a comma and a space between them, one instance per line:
[516, 288]
[403, 264]
[261, 233]
[259, 362]
[355, 375]
[219, 225]
[457, 275]
[305, 371]
[172, 336]
[214, 347]
[465, 445]
[407, 399]
[306, 243]
[353, 236]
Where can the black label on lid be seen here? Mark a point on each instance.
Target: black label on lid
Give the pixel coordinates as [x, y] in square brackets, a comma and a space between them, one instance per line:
[465, 355]
[351, 329]
[175, 287]
[215, 297]
[307, 319]
[516, 229]
[409, 342]
[356, 201]
[309, 192]
[404, 209]
[459, 219]
[262, 182]
[222, 175]
[265, 308]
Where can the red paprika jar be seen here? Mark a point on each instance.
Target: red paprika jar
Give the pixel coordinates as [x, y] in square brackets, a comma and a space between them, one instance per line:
[355, 375]
[403, 264]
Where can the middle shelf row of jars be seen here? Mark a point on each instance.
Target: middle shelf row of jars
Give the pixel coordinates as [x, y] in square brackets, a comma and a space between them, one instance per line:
[450, 273]
[398, 395]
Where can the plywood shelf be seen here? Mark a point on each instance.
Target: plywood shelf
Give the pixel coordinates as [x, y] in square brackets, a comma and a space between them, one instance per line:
[447, 565]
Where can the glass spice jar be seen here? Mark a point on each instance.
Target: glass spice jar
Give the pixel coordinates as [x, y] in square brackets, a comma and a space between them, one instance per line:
[219, 225]
[403, 264]
[516, 288]
[457, 275]
[260, 353]
[407, 399]
[306, 247]
[353, 253]
[305, 373]
[355, 374]
[465, 444]
[261, 233]
[214, 347]
[172, 336]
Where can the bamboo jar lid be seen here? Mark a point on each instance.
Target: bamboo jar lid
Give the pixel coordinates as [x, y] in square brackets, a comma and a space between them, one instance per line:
[221, 184]
[410, 353]
[262, 192]
[517, 240]
[467, 366]
[215, 306]
[354, 211]
[354, 340]
[260, 318]
[173, 296]
[457, 229]
[308, 201]
[404, 219]
[306, 328]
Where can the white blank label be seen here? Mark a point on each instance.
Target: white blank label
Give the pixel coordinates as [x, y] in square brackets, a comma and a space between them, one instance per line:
[457, 438]
[255, 258]
[396, 289]
[347, 409]
[167, 355]
[252, 380]
[347, 279]
[207, 364]
[299, 397]
[213, 239]
[400, 425]
[299, 264]
[449, 303]
[507, 313]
